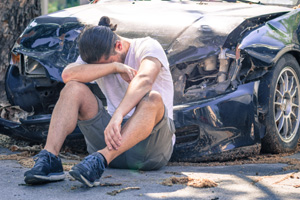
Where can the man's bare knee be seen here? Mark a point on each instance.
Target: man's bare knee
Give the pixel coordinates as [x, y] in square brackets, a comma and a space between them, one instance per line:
[82, 99]
[74, 89]
[153, 98]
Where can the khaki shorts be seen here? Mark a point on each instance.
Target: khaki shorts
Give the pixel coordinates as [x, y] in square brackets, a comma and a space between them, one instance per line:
[152, 153]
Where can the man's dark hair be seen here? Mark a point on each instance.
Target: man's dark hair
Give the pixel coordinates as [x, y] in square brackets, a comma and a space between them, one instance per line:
[97, 41]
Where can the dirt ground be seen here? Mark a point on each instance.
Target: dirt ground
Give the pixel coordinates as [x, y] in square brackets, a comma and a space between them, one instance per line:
[264, 176]
[293, 164]
[28, 149]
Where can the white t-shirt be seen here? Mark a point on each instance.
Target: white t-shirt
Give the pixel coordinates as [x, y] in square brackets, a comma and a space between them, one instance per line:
[114, 87]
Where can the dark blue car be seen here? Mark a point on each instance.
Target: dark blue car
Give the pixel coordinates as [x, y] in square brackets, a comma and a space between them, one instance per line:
[235, 66]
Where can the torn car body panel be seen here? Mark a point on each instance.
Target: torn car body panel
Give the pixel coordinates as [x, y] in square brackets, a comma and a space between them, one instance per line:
[266, 44]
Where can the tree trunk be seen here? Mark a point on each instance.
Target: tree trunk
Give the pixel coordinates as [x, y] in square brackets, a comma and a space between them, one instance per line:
[15, 15]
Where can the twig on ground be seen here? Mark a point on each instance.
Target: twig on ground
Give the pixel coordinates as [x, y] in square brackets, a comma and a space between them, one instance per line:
[115, 192]
[296, 186]
[69, 156]
[174, 173]
[35, 148]
[110, 184]
[286, 177]
[257, 180]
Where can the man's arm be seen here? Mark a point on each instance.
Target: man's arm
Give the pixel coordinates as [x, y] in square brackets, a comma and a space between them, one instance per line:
[137, 89]
[89, 72]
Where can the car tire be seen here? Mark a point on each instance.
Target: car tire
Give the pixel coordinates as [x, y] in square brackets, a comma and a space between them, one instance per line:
[279, 95]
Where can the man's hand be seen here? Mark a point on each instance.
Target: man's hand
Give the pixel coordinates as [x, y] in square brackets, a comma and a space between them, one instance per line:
[127, 73]
[112, 133]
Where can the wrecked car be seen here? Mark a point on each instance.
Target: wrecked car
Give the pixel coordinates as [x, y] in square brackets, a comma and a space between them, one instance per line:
[235, 67]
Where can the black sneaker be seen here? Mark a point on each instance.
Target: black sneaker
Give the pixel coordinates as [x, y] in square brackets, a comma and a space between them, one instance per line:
[89, 170]
[47, 168]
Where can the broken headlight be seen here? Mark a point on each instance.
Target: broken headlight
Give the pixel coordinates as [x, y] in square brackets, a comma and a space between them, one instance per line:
[33, 68]
[27, 66]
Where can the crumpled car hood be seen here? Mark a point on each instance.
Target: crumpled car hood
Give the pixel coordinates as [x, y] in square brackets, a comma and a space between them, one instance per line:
[165, 20]
[50, 38]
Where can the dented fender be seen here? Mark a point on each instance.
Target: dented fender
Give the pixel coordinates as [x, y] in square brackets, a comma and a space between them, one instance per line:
[264, 46]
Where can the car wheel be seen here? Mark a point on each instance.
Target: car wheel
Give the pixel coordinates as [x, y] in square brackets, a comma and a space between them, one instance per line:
[279, 93]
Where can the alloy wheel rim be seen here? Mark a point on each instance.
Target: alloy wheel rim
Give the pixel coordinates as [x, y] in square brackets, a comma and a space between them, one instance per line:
[287, 104]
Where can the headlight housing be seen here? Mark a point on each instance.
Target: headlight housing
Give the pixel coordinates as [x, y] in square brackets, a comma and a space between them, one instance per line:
[27, 66]
[33, 68]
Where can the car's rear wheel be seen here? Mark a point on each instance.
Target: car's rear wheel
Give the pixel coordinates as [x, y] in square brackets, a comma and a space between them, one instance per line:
[279, 92]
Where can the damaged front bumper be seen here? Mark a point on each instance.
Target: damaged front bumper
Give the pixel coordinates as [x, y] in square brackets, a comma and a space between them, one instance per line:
[218, 126]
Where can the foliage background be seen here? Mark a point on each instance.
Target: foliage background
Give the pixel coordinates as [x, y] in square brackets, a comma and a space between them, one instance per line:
[55, 5]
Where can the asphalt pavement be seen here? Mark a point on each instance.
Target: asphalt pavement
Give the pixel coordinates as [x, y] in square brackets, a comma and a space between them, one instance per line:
[250, 181]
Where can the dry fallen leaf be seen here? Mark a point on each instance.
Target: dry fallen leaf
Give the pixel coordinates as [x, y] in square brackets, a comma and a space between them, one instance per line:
[23, 158]
[197, 183]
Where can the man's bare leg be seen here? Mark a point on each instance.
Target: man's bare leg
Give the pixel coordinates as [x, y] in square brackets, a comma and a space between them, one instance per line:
[147, 114]
[76, 101]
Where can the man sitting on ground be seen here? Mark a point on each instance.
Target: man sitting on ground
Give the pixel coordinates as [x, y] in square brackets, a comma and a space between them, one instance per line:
[136, 130]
